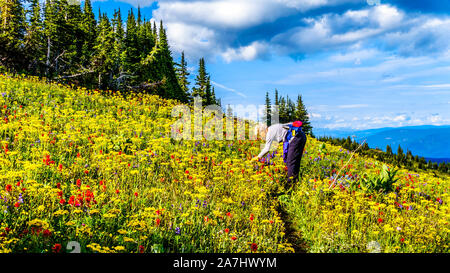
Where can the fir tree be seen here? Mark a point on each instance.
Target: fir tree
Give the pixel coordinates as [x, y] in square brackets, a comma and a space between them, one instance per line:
[33, 40]
[201, 81]
[268, 111]
[88, 28]
[12, 33]
[283, 111]
[104, 50]
[182, 75]
[302, 115]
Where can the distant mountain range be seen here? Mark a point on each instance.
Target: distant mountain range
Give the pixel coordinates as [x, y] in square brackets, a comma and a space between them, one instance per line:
[428, 141]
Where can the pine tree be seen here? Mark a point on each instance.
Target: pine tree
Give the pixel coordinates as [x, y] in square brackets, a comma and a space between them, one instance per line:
[283, 111]
[12, 33]
[88, 28]
[400, 156]
[200, 81]
[132, 54]
[72, 38]
[118, 54]
[277, 102]
[33, 39]
[389, 150]
[268, 111]
[290, 109]
[166, 63]
[104, 50]
[182, 75]
[214, 99]
[302, 115]
[51, 30]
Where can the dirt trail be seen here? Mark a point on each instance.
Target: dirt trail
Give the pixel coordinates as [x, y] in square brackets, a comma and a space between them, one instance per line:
[293, 235]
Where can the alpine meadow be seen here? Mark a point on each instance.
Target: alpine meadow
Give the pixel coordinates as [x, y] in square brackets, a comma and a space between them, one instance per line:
[111, 142]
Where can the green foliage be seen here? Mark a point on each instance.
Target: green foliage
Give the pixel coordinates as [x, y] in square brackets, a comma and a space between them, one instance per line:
[288, 111]
[66, 43]
[384, 182]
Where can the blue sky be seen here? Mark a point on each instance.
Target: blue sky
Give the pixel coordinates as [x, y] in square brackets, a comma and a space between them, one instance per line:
[358, 64]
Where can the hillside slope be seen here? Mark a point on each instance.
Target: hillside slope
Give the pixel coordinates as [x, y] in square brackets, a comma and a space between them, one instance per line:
[102, 170]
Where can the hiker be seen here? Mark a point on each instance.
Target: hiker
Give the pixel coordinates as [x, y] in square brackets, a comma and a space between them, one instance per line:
[294, 141]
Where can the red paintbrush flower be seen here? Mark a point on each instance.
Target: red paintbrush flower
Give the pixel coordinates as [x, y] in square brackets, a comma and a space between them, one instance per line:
[254, 247]
[57, 248]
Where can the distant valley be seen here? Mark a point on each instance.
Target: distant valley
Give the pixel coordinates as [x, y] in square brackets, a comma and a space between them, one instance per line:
[430, 142]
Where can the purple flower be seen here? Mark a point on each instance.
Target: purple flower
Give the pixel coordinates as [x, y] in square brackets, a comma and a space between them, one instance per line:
[177, 231]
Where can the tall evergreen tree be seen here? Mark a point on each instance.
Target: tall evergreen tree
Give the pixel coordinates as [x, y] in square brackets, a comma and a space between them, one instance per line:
[104, 50]
[171, 85]
[283, 111]
[400, 156]
[33, 40]
[88, 28]
[268, 111]
[290, 109]
[302, 115]
[132, 54]
[277, 102]
[12, 33]
[182, 75]
[201, 81]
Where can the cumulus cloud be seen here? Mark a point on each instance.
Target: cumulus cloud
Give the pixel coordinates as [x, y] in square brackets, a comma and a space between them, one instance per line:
[246, 53]
[251, 29]
[428, 36]
[334, 31]
[224, 22]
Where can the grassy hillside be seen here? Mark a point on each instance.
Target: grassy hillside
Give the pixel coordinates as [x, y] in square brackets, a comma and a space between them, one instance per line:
[102, 170]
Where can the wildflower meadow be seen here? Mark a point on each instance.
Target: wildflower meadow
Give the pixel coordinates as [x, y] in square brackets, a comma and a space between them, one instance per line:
[99, 170]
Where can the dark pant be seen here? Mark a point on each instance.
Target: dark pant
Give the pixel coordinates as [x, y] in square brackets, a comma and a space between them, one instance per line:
[294, 156]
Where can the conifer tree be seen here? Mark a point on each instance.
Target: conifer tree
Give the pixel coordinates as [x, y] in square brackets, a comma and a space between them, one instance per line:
[166, 63]
[301, 114]
[88, 28]
[201, 81]
[104, 50]
[400, 155]
[277, 102]
[33, 39]
[268, 111]
[132, 54]
[182, 75]
[283, 111]
[12, 33]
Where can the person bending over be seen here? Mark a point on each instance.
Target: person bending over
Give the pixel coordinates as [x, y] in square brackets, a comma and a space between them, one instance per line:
[294, 140]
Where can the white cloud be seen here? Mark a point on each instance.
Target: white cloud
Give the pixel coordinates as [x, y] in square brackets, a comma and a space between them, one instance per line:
[219, 13]
[331, 31]
[245, 53]
[426, 36]
[192, 39]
